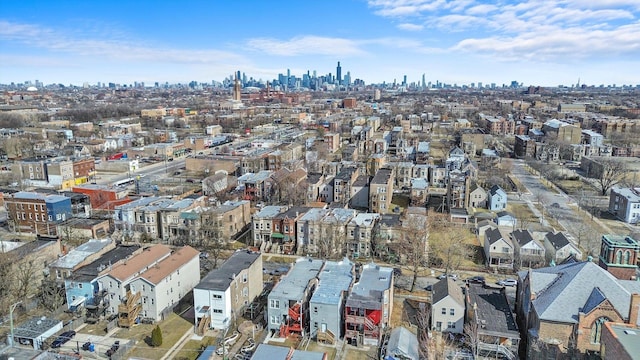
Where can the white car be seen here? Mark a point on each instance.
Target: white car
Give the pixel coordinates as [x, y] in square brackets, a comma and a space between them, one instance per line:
[508, 282]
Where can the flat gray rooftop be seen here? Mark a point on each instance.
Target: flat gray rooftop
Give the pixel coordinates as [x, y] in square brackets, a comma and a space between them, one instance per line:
[335, 278]
[220, 279]
[77, 255]
[293, 285]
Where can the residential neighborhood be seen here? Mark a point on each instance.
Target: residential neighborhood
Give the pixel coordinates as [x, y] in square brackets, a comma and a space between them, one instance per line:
[377, 221]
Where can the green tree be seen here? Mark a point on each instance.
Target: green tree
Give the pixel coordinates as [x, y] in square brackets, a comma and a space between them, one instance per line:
[156, 336]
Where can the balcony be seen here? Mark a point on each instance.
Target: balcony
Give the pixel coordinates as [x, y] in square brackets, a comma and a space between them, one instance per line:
[129, 309]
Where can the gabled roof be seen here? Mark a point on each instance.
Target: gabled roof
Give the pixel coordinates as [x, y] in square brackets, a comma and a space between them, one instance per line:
[170, 264]
[140, 262]
[495, 235]
[596, 298]
[522, 237]
[220, 278]
[557, 240]
[495, 189]
[563, 290]
[447, 287]
[403, 344]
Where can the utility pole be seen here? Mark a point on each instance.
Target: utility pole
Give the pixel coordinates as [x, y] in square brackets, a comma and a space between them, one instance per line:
[11, 309]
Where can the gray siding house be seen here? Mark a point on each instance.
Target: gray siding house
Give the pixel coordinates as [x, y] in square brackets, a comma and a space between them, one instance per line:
[288, 302]
[496, 199]
[327, 303]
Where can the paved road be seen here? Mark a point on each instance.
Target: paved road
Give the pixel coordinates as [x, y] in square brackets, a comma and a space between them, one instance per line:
[559, 206]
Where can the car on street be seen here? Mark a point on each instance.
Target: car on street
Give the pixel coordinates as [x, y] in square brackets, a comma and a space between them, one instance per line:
[476, 280]
[508, 282]
[63, 338]
[452, 276]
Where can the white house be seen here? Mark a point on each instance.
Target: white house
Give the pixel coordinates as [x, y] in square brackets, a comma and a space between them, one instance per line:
[498, 249]
[221, 294]
[447, 309]
[496, 199]
[558, 247]
[624, 203]
[166, 282]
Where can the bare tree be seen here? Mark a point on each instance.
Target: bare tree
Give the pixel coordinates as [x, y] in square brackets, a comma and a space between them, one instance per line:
[7, 295]
[211, 236]
[612, 172]
[52, 295]
[449, 246]
[426, 344]
[472, 337]
[414, 244]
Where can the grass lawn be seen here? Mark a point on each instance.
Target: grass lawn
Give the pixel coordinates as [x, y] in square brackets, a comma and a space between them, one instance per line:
[329, 350]
[99, 328]
[355, 354]
[173, 328]
[400, 200]
[191, 348]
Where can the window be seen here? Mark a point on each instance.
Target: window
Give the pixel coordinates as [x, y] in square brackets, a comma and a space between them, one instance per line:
[152, 301]
[274, 319]
[217, 311]
[625, 258]
[596, 329]
[618, 256]
[244, 278]
[451, 325]
[452, 311]
[79, 285]
[274, 304]
[439, 325]
[444, 311]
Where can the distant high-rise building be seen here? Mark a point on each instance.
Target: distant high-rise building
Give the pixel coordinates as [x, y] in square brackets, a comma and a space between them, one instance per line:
[237, 95]
[404, 80]
[339, 74]
[424, 82]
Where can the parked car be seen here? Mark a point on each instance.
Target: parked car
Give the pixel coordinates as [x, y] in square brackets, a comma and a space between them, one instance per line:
[476, 280]
[397, 271]
[452, 276]
[63, 338]
[508, 282]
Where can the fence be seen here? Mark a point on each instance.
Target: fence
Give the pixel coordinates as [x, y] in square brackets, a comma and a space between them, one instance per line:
[121, 353]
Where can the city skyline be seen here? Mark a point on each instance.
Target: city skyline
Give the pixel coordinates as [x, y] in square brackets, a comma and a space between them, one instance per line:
[543, 43]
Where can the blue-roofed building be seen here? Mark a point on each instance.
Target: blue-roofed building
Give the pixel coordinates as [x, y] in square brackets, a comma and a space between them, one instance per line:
[288, 303]
[327, 302]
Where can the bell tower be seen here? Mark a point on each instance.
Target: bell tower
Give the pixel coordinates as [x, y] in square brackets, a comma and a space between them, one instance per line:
[619, 256]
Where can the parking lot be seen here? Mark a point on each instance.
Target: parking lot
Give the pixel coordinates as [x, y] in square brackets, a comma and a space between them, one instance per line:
[101, 343]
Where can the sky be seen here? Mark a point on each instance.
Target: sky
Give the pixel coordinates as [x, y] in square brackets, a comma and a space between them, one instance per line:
[535, 42]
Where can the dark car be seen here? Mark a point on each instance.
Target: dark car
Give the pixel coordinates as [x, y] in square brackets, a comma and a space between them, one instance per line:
[476, 280]
[397, 271]
[63, 338]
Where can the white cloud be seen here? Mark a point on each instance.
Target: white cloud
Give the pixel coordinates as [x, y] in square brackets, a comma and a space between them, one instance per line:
[306, 45]
[410, 27]
[115, 49]
[481, 9]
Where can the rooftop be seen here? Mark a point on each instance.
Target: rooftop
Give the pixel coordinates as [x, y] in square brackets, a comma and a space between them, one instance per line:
[77, 255]
[140, 262]
[628, 336]
[90, 271]
[621, 240]
[170, 264]
[382, 176]
[335, 278]
[293, 285]
[493, 312]
[35, 327]
[273, 352]
[220, 279]
[369, 291]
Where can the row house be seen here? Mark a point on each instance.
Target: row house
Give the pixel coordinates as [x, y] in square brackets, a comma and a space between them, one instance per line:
[309, 229]
[82, 287]
[37, 213]
[359, 234]
[288, 310]
[458, 190]
[224, 292]
[381, 191]
[547, 152]
[342, 183]
[403, 173]
[328, 300]
[261, 224]
[256, 187]
[558, 248]
[283, 239]
[314, 183]
[333, 229]
[80, 204]
[125, 218]
[359, 197]
[498, 249]
[369, 306]
[169, 217]
[226, 221]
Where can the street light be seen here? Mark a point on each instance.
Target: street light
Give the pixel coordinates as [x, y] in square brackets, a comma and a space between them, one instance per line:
[11, 309]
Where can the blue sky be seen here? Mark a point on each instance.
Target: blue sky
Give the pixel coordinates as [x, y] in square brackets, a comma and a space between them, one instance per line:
[537, 42]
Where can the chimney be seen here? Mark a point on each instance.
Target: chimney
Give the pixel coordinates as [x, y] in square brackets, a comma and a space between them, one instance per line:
[634, 307]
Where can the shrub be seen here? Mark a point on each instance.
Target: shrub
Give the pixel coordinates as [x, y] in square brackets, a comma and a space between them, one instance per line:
[156, 337]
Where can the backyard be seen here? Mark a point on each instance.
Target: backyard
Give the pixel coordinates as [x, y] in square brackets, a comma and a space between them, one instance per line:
[173, 328]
